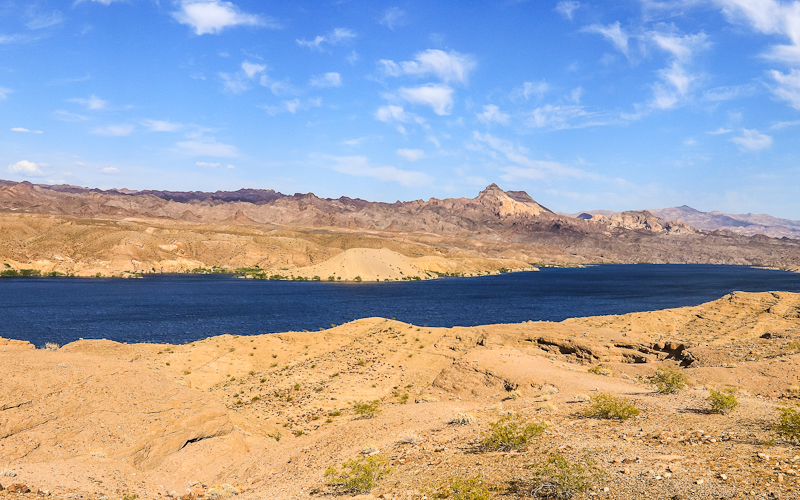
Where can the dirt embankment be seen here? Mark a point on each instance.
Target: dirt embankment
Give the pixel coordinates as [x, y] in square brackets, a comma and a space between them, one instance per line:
[265, 416]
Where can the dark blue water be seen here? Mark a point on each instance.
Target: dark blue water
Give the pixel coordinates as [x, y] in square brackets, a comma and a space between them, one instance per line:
[184, 308]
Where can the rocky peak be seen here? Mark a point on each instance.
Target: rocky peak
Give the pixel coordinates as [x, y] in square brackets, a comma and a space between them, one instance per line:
[507, 204]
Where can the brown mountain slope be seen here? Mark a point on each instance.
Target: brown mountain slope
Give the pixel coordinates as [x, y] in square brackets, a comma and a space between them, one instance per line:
[495, 224]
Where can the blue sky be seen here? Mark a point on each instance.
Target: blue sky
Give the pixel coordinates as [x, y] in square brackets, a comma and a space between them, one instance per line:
[583, 104]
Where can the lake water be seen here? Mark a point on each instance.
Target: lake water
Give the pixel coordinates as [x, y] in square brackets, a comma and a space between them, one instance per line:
[184, 308]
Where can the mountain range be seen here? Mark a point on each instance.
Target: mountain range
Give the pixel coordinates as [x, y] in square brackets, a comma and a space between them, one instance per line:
[74, 229]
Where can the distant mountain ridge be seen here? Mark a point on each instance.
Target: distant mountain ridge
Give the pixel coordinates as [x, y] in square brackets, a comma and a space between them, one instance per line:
[745, 224]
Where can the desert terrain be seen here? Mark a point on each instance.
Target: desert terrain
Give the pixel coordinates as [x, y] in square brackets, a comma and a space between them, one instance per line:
[66, 230]
[266, 416]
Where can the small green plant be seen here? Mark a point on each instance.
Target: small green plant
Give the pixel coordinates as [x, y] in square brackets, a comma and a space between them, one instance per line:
[601, 370]
[274, 435]
[557, 477]
[669, 380]
[130, 496]
[299, 432]
[361, 362]
[357, 278]
[274, 356]
[788, 426]
[404, 398]
[794, 345]
[367, 409]
[255, 398]
[336, 413]
[458, 488]
[187, 372]
[724, 401]
[511, 432]
[610, 407]
[358, 475]
[296, 386]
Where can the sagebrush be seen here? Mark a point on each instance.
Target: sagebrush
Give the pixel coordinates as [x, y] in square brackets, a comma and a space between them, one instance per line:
[511, 432]
[610, 407]
[788, 426]
[358, 475]
[458, 488]
[669, 380]
[724, 401]
[367, 409]
[558, 477]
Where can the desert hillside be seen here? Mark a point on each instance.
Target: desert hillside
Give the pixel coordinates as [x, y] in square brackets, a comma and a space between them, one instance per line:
[85, 232]
[265, 416]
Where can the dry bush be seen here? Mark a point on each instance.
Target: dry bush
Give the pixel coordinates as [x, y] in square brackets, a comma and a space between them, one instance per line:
[358, 475]
[669, 380]
[463, 419]
[511, 432]
[724, 401]
[610, 407]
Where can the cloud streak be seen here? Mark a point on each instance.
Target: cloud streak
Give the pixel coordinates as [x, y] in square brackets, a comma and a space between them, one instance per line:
[208, 17]
[447, 66]
[360, 166]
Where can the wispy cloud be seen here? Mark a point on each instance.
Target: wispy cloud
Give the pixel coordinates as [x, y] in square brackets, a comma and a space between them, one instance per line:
[240, 81]
[41, 21]
[728, 93]
[567, 8]
[207, 164]
[207, 146]
[390, 113]
[788, 87]
[66, 116]
[293, 106]
[411, 154]
[326, 80]
[360, 166]
[21, 129]
[114, 130]
[752, 140]
[93, 102]
[25, 167]
[109, 170]
[492, 114]
[781, 125]
[161, 125]
[676, 79]
[4, 91]
[613, 33]
[335, 37]
[438, 97]
[393, 16]
[562, 117]
[355, 142]
[447, 66]
[525, 167]
[533, 88]
[720, 131]
[212, 16]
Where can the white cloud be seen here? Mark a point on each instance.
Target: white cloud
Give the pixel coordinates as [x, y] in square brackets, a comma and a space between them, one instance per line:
[114, 130]
[335, 37]
[206, 164]
[411, 154]
[393, 16]
[109, 170]
[525, 167]
[66, 116]
[676, 80]
[492, 114]
[355, 142]
[752, 140]
[556, 117]
[728, 93]
[20, 129]
[682, 47]
[788, 87]
[781, 125]
[613, 33]
[279, 89]
[720, 131]
[104, 2]
[774, 18]
[293, 106]
[212, 16]
[576, 94]
[4, 92]
[438, 97]
[252, 69]
[447, 66]
[207, 146]
[567, 8]
[25, 167]
[93, 102]
[45, 20]
[326, 80]
[353, 57]
[231, 167]
[360, 166]
[531, 88]
[161, 125]
[391, 113]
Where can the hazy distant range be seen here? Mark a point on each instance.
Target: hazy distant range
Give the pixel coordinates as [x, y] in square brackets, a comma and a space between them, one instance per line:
[744, 224]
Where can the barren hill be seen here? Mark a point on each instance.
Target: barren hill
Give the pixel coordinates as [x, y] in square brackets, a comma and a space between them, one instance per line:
[66, 229]
[265, 416]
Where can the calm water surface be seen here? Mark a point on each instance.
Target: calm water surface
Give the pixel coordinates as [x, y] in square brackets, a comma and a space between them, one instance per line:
[184, 308]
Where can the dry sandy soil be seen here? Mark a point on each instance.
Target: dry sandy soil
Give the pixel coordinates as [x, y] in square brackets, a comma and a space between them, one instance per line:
[265, 416]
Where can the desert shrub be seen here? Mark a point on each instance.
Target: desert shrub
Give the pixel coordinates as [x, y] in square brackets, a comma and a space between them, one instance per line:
[558, 477]
[458, 488]
[794, 345]
[601, 370]
[463, 419]
[669, 380]
[274, 435]
[610, 407]
[724, 401]
[788, 426]
[358, 475]
[511, 432]
[367, 409]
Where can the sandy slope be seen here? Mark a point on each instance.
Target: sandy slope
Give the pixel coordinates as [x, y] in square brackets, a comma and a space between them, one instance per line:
[99, 419]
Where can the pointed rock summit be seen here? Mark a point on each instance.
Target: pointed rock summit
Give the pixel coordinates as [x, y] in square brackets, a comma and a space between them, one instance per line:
[510, 203]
